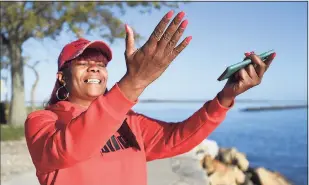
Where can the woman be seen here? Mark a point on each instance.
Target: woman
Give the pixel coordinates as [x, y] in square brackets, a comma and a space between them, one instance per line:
[88, 136]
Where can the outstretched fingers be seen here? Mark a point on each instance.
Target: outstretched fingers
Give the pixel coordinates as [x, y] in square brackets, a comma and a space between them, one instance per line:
[170, 31]
[130, 48]
[172, 43]
[176, 51]
[158, 31]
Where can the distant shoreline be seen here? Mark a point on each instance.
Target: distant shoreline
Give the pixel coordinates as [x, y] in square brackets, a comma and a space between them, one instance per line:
[199, 101]
[146, 101]
[265, 108]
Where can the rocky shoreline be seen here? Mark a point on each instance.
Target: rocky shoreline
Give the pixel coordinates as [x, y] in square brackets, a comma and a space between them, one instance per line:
[231, 167]
[228, 166]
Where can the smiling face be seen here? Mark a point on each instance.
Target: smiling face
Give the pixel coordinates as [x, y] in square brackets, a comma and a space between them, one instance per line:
[85, 77]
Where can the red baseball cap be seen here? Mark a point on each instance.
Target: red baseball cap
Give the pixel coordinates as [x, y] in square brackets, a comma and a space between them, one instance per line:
[77, 47]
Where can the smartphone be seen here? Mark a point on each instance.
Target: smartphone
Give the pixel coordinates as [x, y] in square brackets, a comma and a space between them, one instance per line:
[229, 71]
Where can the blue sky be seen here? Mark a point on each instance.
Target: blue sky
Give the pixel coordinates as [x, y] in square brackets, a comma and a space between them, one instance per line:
[222, 32]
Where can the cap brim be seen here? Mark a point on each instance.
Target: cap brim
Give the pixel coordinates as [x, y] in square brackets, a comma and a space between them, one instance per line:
[101, 46]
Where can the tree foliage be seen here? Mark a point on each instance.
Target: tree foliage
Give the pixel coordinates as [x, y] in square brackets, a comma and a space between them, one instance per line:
[47, 19]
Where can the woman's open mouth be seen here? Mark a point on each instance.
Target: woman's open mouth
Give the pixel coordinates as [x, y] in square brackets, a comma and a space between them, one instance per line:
[92, 81]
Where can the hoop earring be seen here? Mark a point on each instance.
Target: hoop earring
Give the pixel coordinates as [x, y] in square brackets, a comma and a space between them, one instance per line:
[57, 93]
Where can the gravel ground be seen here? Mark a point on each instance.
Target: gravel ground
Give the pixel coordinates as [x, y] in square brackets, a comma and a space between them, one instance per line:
[15, 159]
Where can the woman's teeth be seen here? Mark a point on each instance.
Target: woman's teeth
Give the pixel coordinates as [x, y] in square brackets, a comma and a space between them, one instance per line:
[93, 81]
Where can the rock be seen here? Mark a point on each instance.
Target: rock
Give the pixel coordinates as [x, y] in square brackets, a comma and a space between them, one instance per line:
[251, 174]
[248, 182]
[248, 179]
[227, 155]
[207, 147]
[267, 177]
[241, 161]
[233, 156]
[222, 174]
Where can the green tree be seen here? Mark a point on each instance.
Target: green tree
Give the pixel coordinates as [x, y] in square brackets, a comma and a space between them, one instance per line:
[23, 20]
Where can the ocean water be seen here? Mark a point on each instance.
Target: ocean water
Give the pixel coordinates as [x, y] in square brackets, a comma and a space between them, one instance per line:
[276, 140]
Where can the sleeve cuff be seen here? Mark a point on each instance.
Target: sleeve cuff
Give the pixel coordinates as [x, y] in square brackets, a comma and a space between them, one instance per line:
[117, 102]
[215, 109]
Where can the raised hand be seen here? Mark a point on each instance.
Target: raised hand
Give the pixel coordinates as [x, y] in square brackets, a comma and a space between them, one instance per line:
[246, 78]
[146, 64]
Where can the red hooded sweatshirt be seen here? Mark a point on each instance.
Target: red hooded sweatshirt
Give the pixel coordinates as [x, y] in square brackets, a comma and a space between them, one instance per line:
[107, 143]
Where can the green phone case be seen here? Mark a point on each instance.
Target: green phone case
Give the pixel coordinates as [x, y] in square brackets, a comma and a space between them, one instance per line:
[229, 71]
